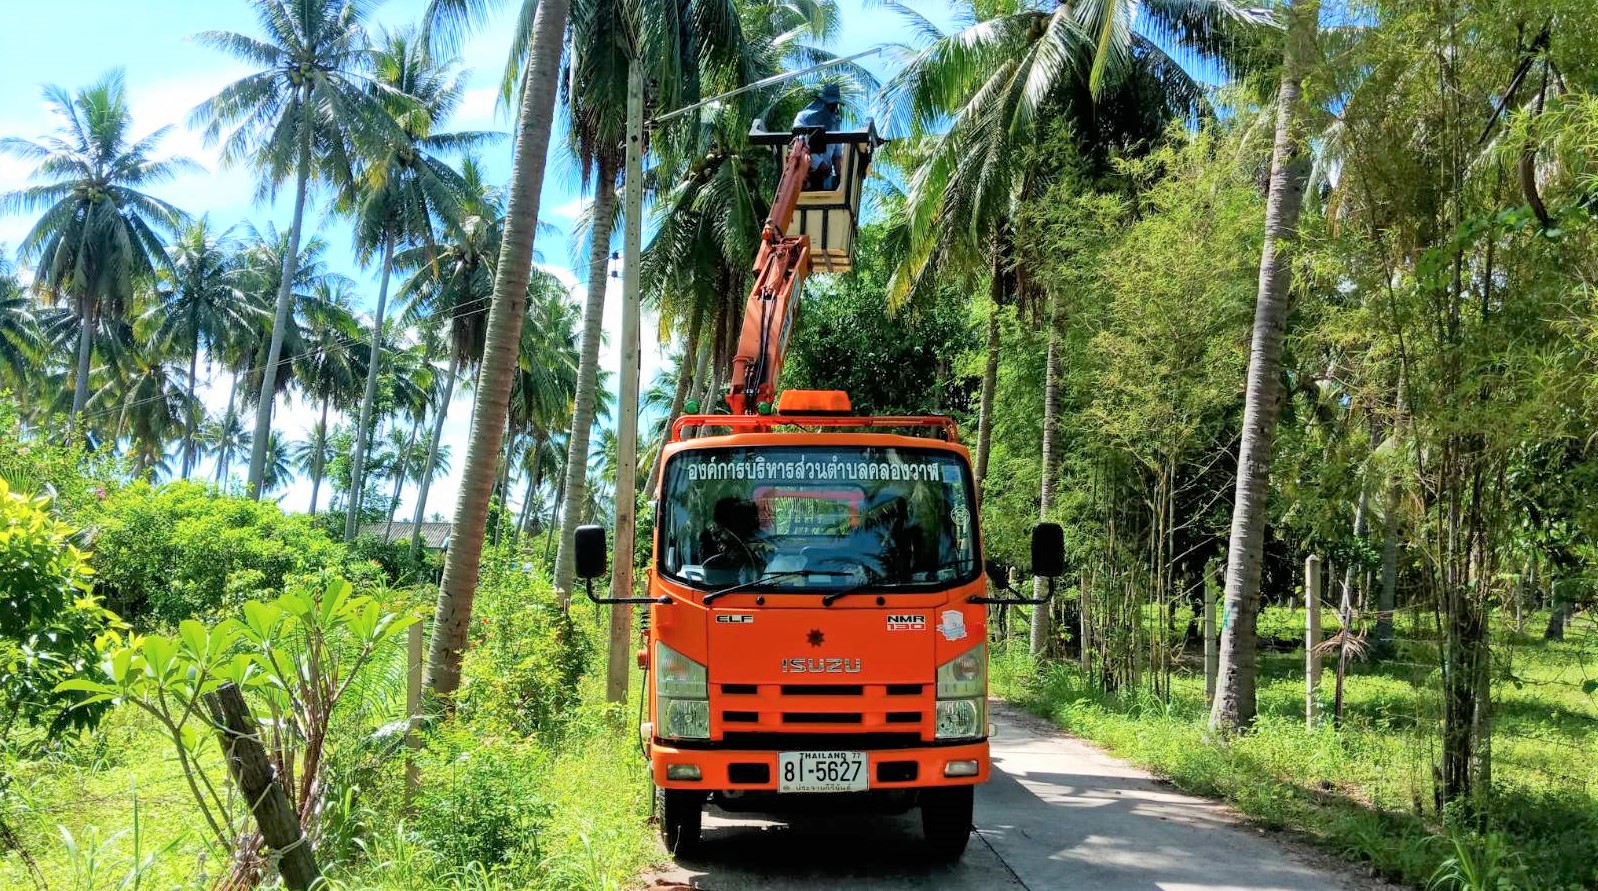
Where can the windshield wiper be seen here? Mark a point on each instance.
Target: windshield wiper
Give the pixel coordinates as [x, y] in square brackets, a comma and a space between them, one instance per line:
[875, 578]
[764, 578]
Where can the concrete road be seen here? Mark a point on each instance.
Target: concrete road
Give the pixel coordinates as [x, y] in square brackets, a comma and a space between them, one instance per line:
[1058, 814]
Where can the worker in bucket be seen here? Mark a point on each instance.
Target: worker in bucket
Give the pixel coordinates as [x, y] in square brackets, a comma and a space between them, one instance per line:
[824, 112]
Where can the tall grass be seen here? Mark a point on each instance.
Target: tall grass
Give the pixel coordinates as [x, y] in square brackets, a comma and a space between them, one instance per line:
[1366, 791]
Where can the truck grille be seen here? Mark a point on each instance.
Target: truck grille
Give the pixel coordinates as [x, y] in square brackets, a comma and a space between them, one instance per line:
[854, 710]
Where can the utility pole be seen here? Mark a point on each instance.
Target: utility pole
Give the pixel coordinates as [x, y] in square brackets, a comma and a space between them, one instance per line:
[621, 573]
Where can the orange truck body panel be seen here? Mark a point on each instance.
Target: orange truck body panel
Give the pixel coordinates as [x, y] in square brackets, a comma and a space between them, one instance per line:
[785, 673]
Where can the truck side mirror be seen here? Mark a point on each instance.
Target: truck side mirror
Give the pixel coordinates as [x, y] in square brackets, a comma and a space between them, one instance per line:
[1048, 550]
[590, 550]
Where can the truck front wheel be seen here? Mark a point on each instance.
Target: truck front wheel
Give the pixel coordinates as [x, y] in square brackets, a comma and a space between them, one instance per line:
[946, 820]
[679, 812]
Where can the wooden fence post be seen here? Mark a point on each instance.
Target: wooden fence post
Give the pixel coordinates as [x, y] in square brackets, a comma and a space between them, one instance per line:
[252, 772]
[1312, 638]
[413, 709]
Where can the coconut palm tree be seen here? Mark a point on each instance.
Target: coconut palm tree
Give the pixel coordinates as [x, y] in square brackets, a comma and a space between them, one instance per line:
[98, 232]
[714, 187]
[449, 292]
[1234, 705]
[329, 369]
[279, 465]
[146, 400]
[534, 124]
[263, 257]
[197, 303]
[20, 340]
[227, 439]
[405, 190]
[311, 105]
[595, 102]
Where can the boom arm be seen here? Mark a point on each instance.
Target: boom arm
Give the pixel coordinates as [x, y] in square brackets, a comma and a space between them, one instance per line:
[780, 270]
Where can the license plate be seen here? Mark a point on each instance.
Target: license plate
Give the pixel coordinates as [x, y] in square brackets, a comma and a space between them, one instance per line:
[821, 772]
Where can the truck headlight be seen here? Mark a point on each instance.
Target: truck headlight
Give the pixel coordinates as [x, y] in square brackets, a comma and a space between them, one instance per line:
[682, 709]
[684, 718]
[965, 676]
[962, 688]
[960, 718]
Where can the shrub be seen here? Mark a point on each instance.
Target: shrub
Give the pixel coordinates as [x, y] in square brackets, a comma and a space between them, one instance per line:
[480, 803]
[182, 550]
[73, 477]
[49, 620]
[395, 559]
[527, 656]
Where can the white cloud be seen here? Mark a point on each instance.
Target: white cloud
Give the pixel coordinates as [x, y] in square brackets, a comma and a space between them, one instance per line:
[569, 210]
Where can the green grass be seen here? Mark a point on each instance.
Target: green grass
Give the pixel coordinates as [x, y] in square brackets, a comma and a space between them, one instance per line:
[587, 783]
[1366, 791]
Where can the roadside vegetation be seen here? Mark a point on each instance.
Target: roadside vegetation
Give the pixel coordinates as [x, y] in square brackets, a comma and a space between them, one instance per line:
[1219, 287]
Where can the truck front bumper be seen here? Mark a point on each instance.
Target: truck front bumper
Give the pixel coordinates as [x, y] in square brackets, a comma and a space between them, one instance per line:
[963, 764]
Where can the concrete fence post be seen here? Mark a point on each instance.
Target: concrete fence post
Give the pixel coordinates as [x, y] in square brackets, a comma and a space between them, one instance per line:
[413, 709]
[1312, 638]
[1212, 654]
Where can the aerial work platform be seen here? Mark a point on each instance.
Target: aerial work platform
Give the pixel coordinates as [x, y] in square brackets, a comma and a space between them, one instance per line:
[828, 217]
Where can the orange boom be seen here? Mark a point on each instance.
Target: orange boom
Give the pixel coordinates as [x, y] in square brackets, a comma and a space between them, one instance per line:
[816, 634]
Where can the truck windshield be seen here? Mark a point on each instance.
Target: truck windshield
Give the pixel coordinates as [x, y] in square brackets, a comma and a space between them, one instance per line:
[818, 518]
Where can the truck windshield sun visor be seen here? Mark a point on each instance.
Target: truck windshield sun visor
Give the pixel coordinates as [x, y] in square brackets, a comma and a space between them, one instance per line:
[817, 519]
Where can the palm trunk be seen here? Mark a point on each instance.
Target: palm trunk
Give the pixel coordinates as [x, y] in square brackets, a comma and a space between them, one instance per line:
[527, 505]
[1235, 704]
[679, 396]
[432, 455]
[80, 386]
[990, 379]
[321, 449]
[502, 485]
[285, 302]
[1042, 633]
[188, 425]
[1387, 595]
[399, 481]
[587, 378]
[373, 363]
[534, 477]
[462, 565]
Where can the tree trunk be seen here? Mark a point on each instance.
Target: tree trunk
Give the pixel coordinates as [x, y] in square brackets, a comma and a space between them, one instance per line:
[317, 459]
[587, 378]
[374, 362]
[461, 566]
[432, 455]
[679, 397]
[80, 384]
[188, 410]
[1558, 614]
[399, 481]
[281, 316]
[1234, 705]
[502, 485]
[534, 477]
[990, 380]
[1387, 595]
[1042, 633]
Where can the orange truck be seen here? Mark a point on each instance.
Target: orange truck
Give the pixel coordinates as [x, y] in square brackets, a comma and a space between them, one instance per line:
[816, 636]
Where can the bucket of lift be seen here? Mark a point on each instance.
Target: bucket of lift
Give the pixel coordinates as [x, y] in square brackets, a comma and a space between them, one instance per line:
[828, 216]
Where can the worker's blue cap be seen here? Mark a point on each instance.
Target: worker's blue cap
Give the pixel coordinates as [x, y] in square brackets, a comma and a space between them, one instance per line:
[830, 94]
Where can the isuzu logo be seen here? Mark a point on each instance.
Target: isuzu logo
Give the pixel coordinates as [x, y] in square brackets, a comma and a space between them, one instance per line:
[821, 666]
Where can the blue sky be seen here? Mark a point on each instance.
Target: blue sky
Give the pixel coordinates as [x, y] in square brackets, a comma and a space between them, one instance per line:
[73, 42]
